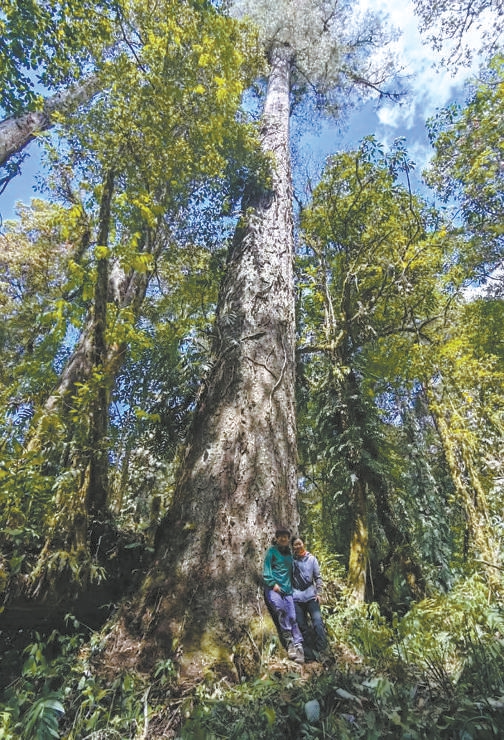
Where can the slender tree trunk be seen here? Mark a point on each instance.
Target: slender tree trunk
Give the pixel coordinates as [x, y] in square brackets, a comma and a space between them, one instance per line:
[17, 132]
[238, 479]
[96, 492]
[91, 494]
[358, 561]
[471, 496]
[126, 291]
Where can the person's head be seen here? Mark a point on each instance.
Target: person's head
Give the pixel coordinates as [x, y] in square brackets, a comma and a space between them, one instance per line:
[298, 545]
[282, 536]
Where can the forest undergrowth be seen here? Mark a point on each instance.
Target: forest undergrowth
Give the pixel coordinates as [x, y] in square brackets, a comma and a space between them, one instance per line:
[434, 672]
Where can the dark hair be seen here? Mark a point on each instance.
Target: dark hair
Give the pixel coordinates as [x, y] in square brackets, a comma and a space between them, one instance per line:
[297, 537]
[282, 530]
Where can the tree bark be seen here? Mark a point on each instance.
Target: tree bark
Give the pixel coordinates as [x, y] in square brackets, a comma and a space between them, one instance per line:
[96, 492]
[17, 132]
[358, 561]
[238, 479]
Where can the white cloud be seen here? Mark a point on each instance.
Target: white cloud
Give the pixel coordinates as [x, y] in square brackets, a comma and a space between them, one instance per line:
[431, 86]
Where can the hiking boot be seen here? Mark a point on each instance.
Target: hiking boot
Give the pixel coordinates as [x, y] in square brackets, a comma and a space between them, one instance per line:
[299, 658]
[289, 645]
[292, 651]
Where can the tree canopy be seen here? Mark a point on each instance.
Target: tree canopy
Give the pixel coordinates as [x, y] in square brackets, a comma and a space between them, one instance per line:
[449, 27]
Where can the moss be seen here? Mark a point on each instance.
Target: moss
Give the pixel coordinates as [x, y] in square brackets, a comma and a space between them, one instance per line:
[207, 656]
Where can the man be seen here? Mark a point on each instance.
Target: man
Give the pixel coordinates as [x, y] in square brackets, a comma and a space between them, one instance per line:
[277, 575]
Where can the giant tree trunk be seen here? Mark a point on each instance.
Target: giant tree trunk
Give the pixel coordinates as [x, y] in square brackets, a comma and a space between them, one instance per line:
[238, 479]
[17, 132]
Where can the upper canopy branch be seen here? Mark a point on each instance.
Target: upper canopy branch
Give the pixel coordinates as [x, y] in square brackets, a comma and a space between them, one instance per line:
[335, 51]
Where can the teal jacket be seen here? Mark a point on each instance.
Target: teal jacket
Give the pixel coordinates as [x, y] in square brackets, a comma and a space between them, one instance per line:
[278, 569]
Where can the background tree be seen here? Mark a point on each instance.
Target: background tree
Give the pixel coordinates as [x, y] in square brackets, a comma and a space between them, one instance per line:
[49, 45]
[385, 334]
[373, 281]
[51, 54]
[467, 171]
[449, 27]
[471, 185]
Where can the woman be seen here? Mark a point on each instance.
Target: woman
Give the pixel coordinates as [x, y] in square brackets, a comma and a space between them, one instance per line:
[307, 589]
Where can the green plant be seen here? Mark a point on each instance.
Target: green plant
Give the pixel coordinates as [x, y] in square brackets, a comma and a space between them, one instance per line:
[165, 670]
[41, 720]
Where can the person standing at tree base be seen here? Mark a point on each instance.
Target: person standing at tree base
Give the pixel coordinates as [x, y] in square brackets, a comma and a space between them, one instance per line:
[307, 589]
[277, 575]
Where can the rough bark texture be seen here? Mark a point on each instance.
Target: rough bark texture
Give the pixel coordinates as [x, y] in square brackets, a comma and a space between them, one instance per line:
[238, 479]
[17, 132]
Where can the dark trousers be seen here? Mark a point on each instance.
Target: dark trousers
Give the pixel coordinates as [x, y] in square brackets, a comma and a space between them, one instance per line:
[307, 611]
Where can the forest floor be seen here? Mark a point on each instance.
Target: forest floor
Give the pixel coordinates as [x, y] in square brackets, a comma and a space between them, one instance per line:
[341, 699]
[435, 673]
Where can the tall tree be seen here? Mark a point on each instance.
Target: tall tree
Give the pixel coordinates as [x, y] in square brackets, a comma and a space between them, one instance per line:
[463, 390]
[467, 172]
[238, 477]
[372, 278]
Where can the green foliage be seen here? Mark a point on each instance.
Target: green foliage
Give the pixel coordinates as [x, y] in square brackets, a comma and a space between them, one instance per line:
[400, 385]
[32, 707]
[407, 681]
[49, 43]
[173, 102]
[42, 718]
[161, 381]
[171, 92]
[456, 639]
[387, 353]
[370, 292]
[25, 504]
[436, 673]
[58, 694]
[42, 274]
[468, 168]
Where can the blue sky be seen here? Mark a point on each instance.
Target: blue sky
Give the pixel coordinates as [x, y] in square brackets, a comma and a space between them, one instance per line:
[431, 88]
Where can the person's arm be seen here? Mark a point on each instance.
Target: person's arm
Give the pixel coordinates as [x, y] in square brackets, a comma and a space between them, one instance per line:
[268, 575]
[319, 583]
